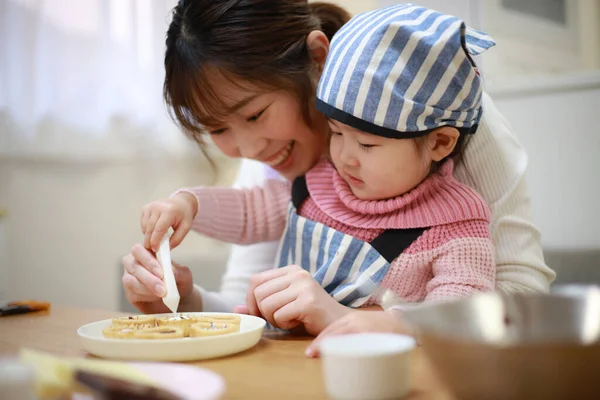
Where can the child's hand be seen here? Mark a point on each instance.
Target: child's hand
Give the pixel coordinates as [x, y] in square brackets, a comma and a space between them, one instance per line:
[177, 212]
[143, 285]
[288, 297]
[358, 321]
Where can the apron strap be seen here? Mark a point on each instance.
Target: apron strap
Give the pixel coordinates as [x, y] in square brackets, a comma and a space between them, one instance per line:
[299, 192]
[392, 242]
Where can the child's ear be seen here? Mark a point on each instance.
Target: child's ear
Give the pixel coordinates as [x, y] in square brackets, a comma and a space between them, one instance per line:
[441, 142]
[318, 47]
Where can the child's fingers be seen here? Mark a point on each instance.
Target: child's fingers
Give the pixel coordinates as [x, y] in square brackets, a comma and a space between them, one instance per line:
[336, 328]
[150, 228]
[331, 329]
[179, 234]
[270, 305]
[251, 304]
[288, 316]
[271, 287]
[144, 219]
[312, 351]
[241, 309]
[255, 281]
[162, 225]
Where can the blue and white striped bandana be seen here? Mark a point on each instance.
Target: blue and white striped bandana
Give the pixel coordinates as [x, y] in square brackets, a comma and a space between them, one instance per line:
[401, 71]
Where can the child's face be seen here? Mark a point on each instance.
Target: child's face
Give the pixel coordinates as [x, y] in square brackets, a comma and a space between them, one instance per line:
[376, 168]
[269, 127]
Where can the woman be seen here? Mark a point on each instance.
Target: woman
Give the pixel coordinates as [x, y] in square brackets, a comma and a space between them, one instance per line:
[245, 71]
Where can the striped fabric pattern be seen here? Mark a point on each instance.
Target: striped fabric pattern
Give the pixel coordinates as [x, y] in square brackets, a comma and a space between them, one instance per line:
[401, 71]
[349, 269]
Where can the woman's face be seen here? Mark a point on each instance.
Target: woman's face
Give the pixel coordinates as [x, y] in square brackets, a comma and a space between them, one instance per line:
[269, 126]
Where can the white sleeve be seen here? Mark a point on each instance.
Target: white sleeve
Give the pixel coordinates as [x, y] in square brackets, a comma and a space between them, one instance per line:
[244, 261]
[494, 164]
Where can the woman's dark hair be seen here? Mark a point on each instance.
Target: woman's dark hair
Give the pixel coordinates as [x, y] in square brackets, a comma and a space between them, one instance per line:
[261, 42]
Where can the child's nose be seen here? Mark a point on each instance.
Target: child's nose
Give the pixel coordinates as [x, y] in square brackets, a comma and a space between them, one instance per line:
[348, 157]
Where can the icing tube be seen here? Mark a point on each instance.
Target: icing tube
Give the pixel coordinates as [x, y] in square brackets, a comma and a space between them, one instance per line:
[171, 298]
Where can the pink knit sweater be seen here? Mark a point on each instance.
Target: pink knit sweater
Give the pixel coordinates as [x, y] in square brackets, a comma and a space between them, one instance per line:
[454, 257]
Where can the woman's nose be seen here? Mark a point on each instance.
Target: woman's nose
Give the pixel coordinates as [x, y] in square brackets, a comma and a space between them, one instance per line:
[251, 146]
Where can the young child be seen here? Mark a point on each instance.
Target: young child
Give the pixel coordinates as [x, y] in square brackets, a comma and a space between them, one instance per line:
[384, 212]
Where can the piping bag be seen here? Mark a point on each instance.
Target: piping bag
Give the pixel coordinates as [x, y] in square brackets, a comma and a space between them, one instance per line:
[171, 298]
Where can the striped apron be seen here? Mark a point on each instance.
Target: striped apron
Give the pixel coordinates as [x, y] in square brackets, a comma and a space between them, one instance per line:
[349, 269]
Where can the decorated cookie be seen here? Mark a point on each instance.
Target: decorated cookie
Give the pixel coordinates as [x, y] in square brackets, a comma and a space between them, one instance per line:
[122, 332]
[180, 321]
[212, 329]
[220, 318]
[134, 320]
[160, 332]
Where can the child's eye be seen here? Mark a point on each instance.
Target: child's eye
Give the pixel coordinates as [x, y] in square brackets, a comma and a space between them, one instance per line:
[256, 116]
[366, 146]
[336, 133]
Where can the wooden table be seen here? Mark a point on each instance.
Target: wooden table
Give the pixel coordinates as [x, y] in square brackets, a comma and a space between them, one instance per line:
[275, 368]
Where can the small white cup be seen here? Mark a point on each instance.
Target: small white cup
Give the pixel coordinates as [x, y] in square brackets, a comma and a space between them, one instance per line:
[17, 380]
[367, 366]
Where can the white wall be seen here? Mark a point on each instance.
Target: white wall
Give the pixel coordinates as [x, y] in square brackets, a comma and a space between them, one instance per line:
[355, 6]
[468, 10]
[3, 257]
[557, 122]
[70, 224]
[3, 234]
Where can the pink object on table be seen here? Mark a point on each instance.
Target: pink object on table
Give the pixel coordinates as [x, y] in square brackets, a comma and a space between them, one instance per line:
[186, 381]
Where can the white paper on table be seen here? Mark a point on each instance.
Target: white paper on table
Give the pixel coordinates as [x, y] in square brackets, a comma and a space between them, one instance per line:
[171, 298]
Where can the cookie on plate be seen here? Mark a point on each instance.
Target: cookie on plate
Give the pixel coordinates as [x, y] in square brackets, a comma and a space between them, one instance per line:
[159, 332]
[212, 329]
[220, 318]
[180, 321]
[121, 332]
[134, 320]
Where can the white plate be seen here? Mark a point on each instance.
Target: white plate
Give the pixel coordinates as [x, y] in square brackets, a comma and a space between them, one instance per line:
[186, 349]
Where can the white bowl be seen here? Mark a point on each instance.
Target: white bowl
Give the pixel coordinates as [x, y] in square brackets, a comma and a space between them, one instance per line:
[367, 365]
[186, 349]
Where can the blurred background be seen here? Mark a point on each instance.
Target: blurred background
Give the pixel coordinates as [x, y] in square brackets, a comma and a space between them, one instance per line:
[85, 140]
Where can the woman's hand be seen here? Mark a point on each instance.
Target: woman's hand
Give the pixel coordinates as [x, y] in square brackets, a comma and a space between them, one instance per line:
[143, 285]
[288, 297]
[359, 321]
[157, 217]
